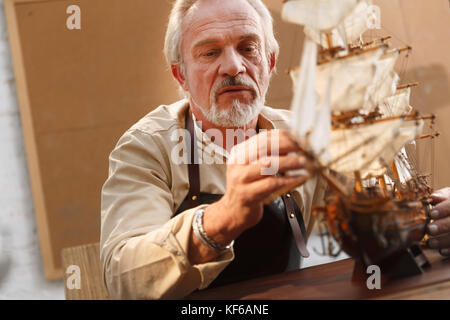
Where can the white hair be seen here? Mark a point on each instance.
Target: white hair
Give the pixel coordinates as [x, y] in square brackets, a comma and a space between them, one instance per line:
[172, 45]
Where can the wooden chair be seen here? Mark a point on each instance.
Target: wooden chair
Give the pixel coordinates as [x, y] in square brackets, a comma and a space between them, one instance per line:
[87, 258]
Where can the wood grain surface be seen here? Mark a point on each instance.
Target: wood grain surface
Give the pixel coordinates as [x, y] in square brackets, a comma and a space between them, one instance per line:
[333, 281]
[87, 258]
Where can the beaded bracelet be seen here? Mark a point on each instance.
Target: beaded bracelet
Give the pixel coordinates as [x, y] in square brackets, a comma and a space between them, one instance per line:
[199, 231]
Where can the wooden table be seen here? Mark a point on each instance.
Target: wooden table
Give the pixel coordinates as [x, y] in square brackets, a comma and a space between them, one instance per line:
[333, 281]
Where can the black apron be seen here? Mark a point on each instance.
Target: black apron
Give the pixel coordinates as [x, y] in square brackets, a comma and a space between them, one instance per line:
[261, 250]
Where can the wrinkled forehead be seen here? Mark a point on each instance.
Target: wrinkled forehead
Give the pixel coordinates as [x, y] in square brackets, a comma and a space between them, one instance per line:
[220, 17]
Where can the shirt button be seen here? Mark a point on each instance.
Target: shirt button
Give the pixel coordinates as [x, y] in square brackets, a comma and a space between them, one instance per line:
[194, 198]
[292, 216]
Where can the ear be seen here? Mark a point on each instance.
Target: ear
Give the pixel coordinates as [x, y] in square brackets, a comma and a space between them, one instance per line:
[178, 74]
[272, 62]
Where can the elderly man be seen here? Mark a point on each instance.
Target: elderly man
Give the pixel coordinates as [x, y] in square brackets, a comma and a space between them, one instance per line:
[170, 227]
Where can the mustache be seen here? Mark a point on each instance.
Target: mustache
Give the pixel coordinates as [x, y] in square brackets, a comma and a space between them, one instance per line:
[235, 81]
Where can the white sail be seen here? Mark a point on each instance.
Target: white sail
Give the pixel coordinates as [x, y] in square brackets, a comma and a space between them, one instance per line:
[354, 76]
[387, 88]
[353, 26]
[384, 82]
[397, 104]
[304, 102]
[355, 149]
[319, 139]
[369, 148]
[403, 167]
[321, 15]
[365, 80]
[320, 37]
[406, 133]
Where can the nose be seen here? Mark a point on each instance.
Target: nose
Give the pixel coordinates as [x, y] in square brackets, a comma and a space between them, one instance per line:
[231, 63]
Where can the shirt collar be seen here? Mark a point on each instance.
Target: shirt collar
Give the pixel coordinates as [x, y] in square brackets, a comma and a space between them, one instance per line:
[216, 152]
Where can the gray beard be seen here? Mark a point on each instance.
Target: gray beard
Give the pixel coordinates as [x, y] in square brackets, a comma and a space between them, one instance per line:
[237, 115]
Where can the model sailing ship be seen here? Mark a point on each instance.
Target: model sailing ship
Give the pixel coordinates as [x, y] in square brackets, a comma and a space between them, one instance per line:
[357, 123]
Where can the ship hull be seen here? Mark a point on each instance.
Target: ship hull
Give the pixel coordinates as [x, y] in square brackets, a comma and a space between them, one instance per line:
[376, 231]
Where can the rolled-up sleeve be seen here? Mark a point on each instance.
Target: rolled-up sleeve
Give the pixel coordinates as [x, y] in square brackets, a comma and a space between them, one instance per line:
[144, 250]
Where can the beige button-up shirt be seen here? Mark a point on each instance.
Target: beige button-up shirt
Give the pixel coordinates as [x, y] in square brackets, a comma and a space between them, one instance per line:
[143, 247]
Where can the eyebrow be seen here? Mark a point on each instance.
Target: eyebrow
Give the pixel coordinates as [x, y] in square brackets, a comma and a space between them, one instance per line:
[204, 42]
[213, 40]
[250, 36]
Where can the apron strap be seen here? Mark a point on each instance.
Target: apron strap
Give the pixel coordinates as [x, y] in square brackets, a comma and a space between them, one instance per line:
[297, 225]
[193, 167]
[295, 220]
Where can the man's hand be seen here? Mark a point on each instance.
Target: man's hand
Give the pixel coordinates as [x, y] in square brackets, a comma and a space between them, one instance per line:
[251, 178]
[439, 230]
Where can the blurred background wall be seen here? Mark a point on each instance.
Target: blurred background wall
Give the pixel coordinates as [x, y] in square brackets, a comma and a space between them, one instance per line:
[21, 270]
[423, 24]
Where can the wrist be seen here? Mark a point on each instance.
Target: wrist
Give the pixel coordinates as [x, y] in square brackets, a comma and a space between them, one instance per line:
[204, 237]
[219, 223]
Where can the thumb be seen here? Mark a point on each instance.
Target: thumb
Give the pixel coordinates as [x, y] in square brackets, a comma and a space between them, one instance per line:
[440, 195]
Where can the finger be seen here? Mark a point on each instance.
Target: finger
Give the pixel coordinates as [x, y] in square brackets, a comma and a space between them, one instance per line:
[441, 242]
[271, 166]
[264, 188]
[445, 192]
[441, 195]
[437, 198]
[276, 142]
[439, 227]
[441, 210]
[273, 142]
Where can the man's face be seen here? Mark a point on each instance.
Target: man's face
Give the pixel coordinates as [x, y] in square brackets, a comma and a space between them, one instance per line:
[227, 71]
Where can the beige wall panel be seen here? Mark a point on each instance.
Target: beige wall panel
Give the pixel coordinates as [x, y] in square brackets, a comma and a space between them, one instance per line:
[79, 90]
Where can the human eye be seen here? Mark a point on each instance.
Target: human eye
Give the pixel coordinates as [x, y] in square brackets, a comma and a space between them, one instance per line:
[209, 53]
[249, 48]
